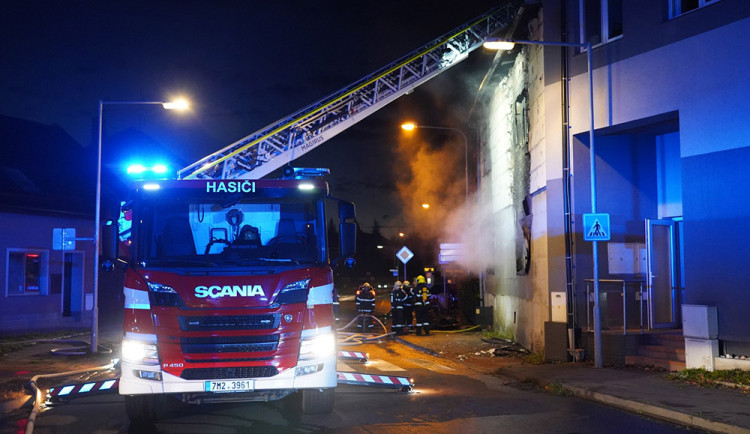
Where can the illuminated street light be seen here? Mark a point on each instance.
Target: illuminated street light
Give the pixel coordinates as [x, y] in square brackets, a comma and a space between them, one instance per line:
[401, 234]
[508, 44]
[410, 126]
[426, 205]
[180, 104]
[173, 105]
[499, 44]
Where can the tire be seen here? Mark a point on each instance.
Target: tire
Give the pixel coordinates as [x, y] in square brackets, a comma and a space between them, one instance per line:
[317, 401]
[144, 409]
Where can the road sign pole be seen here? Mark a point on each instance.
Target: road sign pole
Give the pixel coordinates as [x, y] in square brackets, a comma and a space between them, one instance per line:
[596, 227]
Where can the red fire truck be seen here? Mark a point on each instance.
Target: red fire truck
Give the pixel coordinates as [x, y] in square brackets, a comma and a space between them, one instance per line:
[228, 292]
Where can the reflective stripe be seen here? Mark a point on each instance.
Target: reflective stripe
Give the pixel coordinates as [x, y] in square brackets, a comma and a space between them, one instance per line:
[65, 390]
[320, 295]
[86, 387]
[145, 337]
[136, 299]
[107, 384]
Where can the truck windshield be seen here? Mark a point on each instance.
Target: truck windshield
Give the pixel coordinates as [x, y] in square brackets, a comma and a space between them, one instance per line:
[189, 228]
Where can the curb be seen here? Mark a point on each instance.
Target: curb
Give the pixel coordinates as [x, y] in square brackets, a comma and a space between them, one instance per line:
[643, 409]
[656, 412]
[624, 404]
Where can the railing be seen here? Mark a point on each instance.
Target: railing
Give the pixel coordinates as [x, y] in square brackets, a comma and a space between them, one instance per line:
[612, 293]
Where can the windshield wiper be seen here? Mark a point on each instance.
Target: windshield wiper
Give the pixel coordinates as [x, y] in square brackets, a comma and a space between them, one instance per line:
[293, 261]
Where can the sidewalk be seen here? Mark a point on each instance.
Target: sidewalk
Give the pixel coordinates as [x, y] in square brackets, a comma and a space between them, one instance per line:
[644, 392]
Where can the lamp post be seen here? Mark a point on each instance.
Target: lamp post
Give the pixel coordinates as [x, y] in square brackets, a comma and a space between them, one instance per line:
[172, 105]
[409, 126]
[508, 44]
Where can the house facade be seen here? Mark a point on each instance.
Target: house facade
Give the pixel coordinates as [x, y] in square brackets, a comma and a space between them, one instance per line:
[46, 228]
[671, 151]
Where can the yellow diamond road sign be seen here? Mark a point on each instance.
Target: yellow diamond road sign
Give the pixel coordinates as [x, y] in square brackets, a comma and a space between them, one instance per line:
[404, 254]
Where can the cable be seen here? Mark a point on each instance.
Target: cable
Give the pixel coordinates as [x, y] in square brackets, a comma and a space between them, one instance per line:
[454, 331]
[361, 338]
[79, 348]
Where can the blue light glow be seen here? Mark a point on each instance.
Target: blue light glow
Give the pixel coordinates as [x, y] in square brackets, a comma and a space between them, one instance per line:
[135, 169]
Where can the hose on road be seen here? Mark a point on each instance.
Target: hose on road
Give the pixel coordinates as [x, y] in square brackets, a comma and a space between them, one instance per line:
[37, 394]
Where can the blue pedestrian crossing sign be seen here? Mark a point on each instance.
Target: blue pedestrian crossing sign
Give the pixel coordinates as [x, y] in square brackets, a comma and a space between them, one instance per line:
[596, 227]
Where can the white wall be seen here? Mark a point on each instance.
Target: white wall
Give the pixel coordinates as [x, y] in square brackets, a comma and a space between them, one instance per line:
[676, 77]
[520, 302]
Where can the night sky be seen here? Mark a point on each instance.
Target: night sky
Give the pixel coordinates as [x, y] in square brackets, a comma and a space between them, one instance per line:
[243, 65]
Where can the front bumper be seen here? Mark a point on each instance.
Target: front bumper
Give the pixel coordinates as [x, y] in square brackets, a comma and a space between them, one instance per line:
[131, 382]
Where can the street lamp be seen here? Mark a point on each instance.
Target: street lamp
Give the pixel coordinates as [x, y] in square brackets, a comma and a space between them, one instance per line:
[508, 44]
[410, 126]
[179, 104]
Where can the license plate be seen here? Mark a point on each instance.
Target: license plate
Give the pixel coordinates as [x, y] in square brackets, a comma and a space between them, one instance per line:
[228, 386]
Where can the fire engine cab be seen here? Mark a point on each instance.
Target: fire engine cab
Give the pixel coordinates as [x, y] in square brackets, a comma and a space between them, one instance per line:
[228, 292]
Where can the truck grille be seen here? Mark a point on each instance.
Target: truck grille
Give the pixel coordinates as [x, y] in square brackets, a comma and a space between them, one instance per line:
[230, 322]
[229, 344]
[224, 373]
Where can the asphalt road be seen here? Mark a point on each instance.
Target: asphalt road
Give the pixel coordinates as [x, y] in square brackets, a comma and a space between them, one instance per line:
[446, 399]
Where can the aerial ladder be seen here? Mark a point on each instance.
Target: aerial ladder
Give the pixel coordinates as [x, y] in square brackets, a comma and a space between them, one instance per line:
[270, 148]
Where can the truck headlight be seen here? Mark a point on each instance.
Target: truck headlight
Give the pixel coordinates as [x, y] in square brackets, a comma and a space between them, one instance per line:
[162, 295]
[317, 347]
[139, 352]
[295, 292]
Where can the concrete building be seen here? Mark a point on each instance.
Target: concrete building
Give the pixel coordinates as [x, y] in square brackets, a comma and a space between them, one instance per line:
[672, 151]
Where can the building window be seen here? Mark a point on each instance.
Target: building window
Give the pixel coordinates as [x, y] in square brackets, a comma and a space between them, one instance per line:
[27, 272]
[679, 7]
[600, 20]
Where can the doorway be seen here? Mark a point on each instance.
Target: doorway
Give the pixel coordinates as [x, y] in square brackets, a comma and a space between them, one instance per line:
[661, 275]
[72, 284]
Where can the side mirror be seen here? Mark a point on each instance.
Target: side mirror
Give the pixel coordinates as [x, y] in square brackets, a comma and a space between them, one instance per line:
[109, 244]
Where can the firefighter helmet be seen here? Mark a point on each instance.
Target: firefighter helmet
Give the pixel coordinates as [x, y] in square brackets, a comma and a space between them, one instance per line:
[420, 279]
[397, 284]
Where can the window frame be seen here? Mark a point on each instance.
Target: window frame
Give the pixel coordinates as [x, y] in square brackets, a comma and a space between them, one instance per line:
[603, 23]
[675, 7]
[43, 272]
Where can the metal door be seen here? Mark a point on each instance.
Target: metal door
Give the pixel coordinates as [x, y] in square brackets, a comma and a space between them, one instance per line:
[660, 277]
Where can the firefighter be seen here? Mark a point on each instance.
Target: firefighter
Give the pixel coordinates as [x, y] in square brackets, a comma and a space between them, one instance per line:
[398, 298]
[422, 306]
[365, 301]
[408, 306]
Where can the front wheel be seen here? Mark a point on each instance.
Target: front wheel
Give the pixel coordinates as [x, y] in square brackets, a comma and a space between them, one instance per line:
[317, 401]
[144, 409]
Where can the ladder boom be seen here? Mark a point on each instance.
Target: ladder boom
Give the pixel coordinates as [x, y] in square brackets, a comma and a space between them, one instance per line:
[291, 137]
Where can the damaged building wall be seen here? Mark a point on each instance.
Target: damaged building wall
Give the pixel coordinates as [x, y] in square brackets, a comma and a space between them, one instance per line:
[513, 184]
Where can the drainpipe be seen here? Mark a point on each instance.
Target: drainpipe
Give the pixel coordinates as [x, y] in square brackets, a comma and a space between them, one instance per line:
[566, 184]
